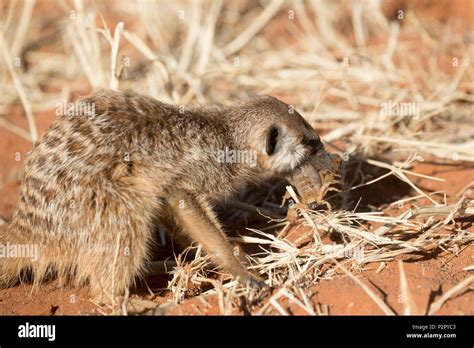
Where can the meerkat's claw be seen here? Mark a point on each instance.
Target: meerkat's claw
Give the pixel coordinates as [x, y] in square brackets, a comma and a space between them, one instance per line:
[257, 284]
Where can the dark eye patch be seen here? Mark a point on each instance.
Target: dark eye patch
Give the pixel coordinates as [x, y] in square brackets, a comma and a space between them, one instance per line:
[315, 144]
[272, 140]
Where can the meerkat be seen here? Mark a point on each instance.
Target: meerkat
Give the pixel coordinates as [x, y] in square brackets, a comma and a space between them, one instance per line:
[110, 169]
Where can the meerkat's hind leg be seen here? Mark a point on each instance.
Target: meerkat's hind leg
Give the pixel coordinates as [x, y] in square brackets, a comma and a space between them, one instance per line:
[198, 221]
[121, 255]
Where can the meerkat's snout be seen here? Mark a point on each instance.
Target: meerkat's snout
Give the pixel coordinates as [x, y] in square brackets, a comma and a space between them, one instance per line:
[282, 138]
[288, 139]
[293, 149]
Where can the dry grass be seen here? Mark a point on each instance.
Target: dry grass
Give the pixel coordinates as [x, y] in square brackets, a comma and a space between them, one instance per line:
[220, 51]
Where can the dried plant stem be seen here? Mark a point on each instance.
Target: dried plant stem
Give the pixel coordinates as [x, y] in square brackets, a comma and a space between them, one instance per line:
[409, 304]
[15, 129]
[19, 88]
[386, 309]
[256, 25]
[22, 30]
[114, 81]
[436, 306]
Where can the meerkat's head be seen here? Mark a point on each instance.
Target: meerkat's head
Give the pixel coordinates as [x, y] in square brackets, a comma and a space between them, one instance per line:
[280, 136]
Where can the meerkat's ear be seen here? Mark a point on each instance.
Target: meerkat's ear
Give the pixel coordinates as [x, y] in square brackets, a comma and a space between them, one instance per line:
[272, 139]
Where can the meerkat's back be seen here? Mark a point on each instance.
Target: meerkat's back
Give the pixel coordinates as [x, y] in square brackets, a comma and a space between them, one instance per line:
[95, 182]
[81, 193]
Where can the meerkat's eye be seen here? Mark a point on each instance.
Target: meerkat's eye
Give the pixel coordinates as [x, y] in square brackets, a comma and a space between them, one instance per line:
[311, 142]
[272, 140]
[314, 144]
